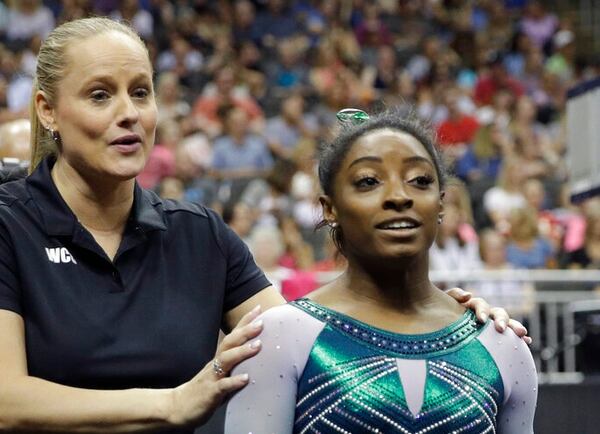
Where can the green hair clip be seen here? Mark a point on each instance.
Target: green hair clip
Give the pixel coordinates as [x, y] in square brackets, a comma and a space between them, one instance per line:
[352, 116]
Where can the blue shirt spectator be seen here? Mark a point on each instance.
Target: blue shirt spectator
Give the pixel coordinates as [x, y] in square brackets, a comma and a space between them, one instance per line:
[251, 153]
[537, 256]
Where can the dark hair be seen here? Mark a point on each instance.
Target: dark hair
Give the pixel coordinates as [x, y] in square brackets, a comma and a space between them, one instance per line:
[332, 154]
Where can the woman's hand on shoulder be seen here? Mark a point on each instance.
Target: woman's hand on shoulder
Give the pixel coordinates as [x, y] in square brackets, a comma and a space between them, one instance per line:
[193, 402]
[484, 311]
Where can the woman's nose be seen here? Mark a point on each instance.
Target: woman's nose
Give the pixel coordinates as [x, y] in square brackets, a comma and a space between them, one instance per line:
[397, 198]
[128, 113]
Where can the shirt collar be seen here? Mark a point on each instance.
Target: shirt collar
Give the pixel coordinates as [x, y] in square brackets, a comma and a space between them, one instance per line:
[146, 212]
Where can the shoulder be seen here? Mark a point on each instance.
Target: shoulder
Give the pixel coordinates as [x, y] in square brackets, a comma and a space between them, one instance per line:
[12, 192]
[288, 317]
[287, 338]
[171, 206]
[511, 356]
[290, 327]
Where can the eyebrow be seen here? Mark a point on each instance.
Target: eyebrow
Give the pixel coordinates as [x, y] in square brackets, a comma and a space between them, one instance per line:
[110, 79]
[413, 159]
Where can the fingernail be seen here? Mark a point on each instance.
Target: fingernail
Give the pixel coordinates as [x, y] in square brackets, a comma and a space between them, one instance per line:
[244, 377]
[484, 317]
[256, 309]
[256, 344]
[257, 324]
[502, 325]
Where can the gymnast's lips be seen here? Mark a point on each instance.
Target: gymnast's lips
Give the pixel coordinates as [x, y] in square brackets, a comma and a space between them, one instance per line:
[398, 224]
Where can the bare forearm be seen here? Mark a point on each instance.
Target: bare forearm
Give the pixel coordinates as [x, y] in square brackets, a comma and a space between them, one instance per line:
[29, 404]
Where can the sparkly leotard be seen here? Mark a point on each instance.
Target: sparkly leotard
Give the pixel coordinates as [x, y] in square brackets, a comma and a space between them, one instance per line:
[320, 371]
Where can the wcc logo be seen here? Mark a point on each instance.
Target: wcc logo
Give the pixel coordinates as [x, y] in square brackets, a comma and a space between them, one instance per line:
[59, 255]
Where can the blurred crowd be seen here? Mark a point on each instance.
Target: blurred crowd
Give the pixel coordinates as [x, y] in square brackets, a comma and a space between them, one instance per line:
[248, 90]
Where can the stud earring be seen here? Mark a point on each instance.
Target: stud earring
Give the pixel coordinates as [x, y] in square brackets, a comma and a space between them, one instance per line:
[333, 224]
[439, 220]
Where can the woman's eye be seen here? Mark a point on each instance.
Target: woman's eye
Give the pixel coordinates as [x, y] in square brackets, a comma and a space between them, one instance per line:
[422, 181]
[99, 95]
[367, 181]
[141, 93]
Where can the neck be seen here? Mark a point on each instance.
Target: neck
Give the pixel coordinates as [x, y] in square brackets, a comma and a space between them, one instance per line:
[98, 203]
[404, 287]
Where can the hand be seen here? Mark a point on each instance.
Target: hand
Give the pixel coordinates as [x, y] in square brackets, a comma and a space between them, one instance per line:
[194, 402]
[483, 311]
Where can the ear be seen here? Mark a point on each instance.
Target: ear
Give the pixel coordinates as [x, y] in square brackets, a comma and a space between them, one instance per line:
[441, 203]
[44, 110]
[329, 212]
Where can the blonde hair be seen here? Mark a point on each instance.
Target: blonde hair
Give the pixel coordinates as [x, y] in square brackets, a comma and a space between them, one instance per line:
[51, 64]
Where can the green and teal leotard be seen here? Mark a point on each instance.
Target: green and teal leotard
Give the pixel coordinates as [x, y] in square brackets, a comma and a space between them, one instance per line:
[320, 371]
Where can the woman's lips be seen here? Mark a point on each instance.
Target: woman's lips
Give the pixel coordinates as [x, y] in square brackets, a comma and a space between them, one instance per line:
[127, 148]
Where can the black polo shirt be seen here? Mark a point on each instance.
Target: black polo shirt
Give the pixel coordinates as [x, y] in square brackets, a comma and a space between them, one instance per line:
[150, 318]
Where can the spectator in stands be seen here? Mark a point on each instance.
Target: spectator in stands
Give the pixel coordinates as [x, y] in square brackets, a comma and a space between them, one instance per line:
[18, 83]
[562, 62]
[549, 225]
[141, 20]
[4, 14]
[538, 24]
[274, 23]
[372, 33]
[14, 139]
[327, 68]
[270, 196]
[251, 71]
[384, 75]
[588, 256]
[288, 72]
[241, 218]
[240, 154]
[457, 195]
[456, 133]
[481, 162]
[171, 105]
[284, 132]
[421, 63]
[526, 248]
[267, 246]
[217, 97]
[192, 163]
[452, 251]
[515, 59]
[495, 80]
[506, 196]
[499, 29]
[161, 161]
[170, 188]
[242, 27]
[28, 18]
[520, 296]
[181, 59]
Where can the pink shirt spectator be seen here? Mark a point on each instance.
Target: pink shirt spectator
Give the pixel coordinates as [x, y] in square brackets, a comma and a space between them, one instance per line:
[161, 164]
